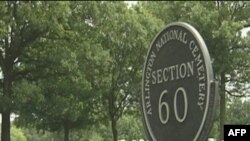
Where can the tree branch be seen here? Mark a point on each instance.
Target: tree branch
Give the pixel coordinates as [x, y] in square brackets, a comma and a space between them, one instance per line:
[218, 3]
[1, 60]
[235, 5]
[247, 25]
[234, 95]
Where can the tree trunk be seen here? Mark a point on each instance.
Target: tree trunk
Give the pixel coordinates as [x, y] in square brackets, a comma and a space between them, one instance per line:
[7, 86]
[5, 126]
[222, 106]
[66, 132]
[114, 130]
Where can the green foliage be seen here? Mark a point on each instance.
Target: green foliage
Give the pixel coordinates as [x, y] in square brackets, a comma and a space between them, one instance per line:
[62, 99]
[131, 128]
[122, 35]
[69, 65]
[90, 134]
[17, 134]
[53, 91]
[37, 135]
[214, 132]
[221, 33]
[238, 112]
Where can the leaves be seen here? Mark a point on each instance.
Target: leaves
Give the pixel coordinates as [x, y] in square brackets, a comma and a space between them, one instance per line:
[238, 112]
[74, 64]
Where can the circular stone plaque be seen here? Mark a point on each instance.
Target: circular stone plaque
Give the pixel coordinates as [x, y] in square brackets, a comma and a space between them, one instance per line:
[177, 102]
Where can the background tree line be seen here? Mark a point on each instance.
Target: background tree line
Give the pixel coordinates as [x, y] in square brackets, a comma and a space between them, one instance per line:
[76, 67]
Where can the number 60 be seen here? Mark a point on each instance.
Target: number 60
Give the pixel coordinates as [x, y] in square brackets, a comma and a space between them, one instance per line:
[165, 105]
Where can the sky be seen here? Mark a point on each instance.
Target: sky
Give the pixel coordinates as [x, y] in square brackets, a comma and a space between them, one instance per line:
[131, 2]
[244, 31]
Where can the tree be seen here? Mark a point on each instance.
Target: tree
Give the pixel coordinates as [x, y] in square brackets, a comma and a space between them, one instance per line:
[62, 103]
[115, 78]
[62, 96]
[222, 36]
[125, 34]
[23, 26]
[26, 28]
